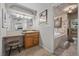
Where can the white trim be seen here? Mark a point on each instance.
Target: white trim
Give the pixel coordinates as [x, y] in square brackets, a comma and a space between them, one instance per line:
[78, 33]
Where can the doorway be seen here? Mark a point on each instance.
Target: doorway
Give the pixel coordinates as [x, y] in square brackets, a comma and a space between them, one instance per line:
[65, 29]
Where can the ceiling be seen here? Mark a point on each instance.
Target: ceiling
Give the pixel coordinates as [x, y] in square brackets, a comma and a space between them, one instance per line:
[59, 8]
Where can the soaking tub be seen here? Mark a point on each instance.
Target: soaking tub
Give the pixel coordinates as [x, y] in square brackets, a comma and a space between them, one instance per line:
[59, 39]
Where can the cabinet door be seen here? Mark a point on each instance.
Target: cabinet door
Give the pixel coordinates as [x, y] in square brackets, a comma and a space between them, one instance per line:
[28, 42]
[36, 40]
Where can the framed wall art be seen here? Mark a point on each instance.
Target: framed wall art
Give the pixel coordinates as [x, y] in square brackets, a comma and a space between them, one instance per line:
[43, 16]
[58, 22]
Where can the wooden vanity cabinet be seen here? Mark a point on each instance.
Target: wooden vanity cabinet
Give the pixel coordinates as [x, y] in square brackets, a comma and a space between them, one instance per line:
[31, 39]
[36, 40]
[28, 42]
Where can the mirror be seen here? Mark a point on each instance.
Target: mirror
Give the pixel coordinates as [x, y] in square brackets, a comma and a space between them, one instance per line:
[74, 23]
[20, 17]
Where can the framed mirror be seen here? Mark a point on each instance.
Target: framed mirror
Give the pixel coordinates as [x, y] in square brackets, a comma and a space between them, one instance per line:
[20, 17]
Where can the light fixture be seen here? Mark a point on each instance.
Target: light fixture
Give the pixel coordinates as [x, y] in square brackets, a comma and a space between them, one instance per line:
[25, 16]
[70, 8]
[17, 15]
[29, 17]
[21, 16]
[70, 11]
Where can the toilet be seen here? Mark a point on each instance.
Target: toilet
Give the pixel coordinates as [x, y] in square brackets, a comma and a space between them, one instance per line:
[75, 40]
[66, 44]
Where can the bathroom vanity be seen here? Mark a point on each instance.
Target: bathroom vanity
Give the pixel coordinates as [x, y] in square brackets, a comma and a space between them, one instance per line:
[27, 39]
[31, 39]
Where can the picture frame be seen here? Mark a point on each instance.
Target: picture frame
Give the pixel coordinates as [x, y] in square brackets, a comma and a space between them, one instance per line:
[58, 22]
[43, 16]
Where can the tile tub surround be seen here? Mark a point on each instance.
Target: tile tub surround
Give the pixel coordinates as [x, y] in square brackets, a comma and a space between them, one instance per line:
[58, 34]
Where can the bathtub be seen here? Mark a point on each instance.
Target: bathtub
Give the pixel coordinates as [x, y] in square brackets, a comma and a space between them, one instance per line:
[56, 34]
[59, 39]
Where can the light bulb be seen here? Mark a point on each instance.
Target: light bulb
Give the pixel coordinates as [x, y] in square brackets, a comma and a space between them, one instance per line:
[17, 15]
[25, 17]
[29, 17]
[21, 16]
[70, 11]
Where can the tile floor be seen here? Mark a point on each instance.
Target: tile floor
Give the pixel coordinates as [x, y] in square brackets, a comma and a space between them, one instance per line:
[71, 51]
[38, 51]
[35, 51]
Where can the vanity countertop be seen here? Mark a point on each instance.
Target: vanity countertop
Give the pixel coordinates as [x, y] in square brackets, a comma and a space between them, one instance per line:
[14, 34]
[30, 31]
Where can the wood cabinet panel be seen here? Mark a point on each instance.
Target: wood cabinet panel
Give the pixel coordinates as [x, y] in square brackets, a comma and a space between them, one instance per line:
[31, 39]
[36, 40]
[28, 42]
